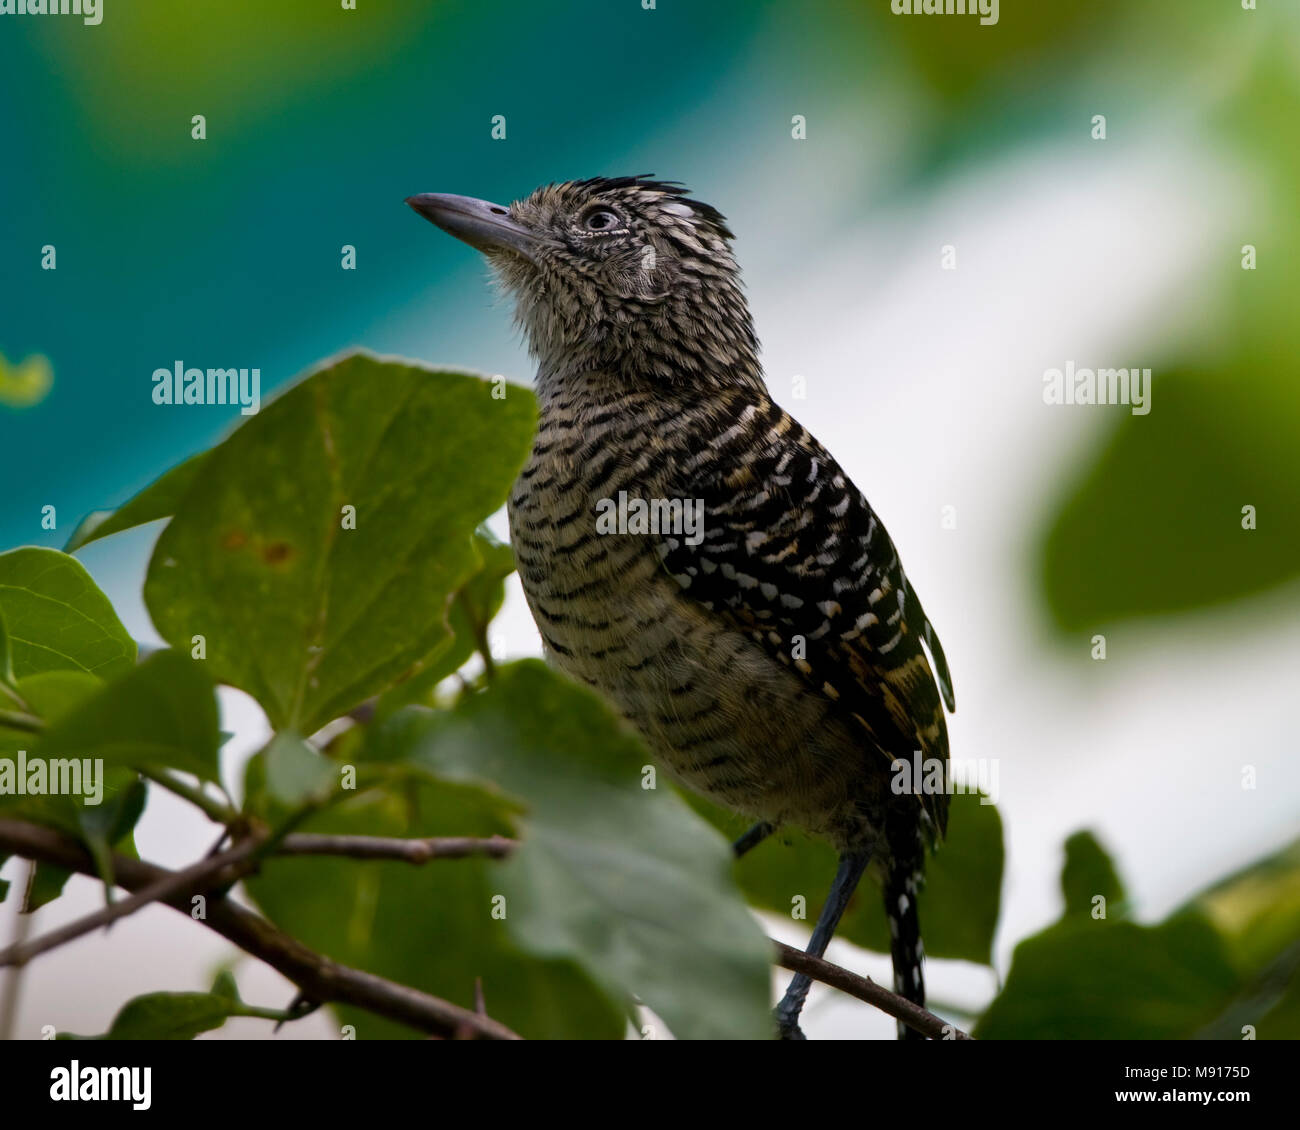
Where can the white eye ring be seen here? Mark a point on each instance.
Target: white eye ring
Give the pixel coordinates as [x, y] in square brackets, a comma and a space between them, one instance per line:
[602, 221]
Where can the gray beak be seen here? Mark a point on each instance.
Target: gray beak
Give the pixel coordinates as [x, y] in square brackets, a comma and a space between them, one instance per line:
[480, 223]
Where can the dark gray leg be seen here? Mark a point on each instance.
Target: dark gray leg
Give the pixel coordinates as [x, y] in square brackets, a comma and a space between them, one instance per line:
[751, 839]
[852, 865]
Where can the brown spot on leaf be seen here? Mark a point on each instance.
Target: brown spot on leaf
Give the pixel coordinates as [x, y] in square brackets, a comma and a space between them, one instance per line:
[277, 553]
[235, 539]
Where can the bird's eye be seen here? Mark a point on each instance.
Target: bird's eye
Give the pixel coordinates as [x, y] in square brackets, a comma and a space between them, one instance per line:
[601, 220]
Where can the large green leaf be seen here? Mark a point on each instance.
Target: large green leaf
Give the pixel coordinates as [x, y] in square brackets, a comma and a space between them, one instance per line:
[429, 926]
[308, 616]
[57, 619]
[472, 609]
[958, 906]
[158, 500]
[624, 879]
[163, 713]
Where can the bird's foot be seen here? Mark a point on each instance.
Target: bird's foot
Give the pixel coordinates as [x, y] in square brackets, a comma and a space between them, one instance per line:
[787, 1020]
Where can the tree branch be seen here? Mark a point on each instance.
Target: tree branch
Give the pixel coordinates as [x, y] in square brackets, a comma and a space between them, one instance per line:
[865, 989]
[414, 851]
[202, 876]
[324, 980]
[320, 978]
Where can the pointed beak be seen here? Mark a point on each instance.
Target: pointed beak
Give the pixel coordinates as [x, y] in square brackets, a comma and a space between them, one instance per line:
[480, 223]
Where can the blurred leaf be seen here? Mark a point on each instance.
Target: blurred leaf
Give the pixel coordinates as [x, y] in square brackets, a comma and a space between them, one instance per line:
[1102, 980]
[25, 384]
[47, 884]
[158, 500]
[104, 825]
[167, 1016]
[296, 773]
[1089, 872]
[6, 656]
[1107, 978]
[224, 986]
[958, 906]
[51, 695]
[1210, 446]
[1257, 910]
[309, 617]
[163, 713]
[57, 618]
[626, 880]
[431, 926]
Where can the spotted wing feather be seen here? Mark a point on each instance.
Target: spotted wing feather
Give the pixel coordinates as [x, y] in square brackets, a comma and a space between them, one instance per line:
[793, 554]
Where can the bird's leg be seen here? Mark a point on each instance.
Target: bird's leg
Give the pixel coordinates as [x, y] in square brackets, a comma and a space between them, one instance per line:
[751, 839]
[852, 865]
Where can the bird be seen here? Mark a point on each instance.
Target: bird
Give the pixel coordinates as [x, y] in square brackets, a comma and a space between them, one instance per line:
[757, 628]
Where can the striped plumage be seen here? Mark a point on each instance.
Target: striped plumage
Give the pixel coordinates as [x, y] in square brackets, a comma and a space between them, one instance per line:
[776, 666]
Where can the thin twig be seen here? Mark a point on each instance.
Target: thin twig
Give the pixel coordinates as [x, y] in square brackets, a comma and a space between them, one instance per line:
[215, 810]
[407, 851]
[321, 979]
[13, 982]
[865, 989]
[207, 873]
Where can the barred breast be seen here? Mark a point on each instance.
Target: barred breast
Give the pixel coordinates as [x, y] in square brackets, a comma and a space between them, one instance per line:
[718, 712]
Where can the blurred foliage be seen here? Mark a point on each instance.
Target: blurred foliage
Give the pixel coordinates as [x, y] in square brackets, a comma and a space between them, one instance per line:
[25, 384]
[958, 906]
[1222, 966]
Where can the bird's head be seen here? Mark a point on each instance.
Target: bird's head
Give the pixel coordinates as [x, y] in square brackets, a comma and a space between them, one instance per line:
[627, 274]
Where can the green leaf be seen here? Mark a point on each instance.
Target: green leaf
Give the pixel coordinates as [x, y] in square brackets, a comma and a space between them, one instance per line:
[296, 773]
[623, 879]
[1088, 873]
[224, 986]
[1100, 980]
[1092, 977]
[472, 608]
[1257, 909]
[158, 500]
[104, 825]
[6, 657]
[1185, 524]
[47, 884]
[958, 906]
[51, 695]
[310, 617]
[167, 1016]
[162, 714]
[56, 617]
[430, 926]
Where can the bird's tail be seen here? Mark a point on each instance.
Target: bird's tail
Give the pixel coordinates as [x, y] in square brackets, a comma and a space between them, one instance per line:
[900, 887]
